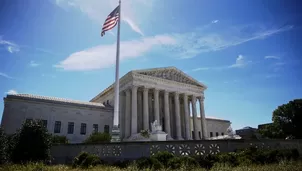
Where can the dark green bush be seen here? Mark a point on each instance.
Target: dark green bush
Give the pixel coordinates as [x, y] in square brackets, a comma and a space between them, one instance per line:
[185, 161]
[206, 161]
[31, 143]
[98, 137]
[163, 157]
[85, 160]
[231, 159]
[4, 156]
[122, 164]
[57, 139]
[148, 163]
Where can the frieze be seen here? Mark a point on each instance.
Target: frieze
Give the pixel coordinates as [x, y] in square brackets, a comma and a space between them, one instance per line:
[153, 82]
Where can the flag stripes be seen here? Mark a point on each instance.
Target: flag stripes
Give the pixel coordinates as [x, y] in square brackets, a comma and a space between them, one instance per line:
[111, 21]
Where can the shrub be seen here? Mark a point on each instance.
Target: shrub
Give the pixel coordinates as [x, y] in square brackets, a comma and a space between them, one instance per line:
[31, 143]
[148, 163]
[230, 159]
[163, 157]
[98, 137]
[57, 139]
[183, 161]
[3, 147]
[86, 160]
[206, 161]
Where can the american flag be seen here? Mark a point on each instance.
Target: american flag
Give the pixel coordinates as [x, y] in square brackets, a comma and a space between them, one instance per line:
[111, 20]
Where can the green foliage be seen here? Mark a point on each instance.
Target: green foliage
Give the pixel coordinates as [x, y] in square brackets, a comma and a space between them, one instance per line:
[287, 120]
[31, 143]
[206, 161]
[183, 161]
[57, 139]
[163, 157]
[86, 160]
[98, 137]
[3, 147]
[148, 163]
[145, 133]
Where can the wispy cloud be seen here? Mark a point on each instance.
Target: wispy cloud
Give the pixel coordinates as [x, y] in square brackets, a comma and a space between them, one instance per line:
[6, 76]
[47, 75]
[240, 62]
[103, 56]
[193, 43]
[33, 64]
[10, 46]
[271, 57]
[134, 12]
[11, 92]
[215, 21]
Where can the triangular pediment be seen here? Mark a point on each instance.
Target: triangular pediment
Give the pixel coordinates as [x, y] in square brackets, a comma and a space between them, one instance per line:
[170, 73]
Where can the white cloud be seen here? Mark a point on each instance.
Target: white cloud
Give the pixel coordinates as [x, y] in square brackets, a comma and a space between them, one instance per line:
[10, 46]
[134, 12]
[271, 57]
[103, 56]
[240, 62]
[33, 64]
[6, 76]
[194, 43]
[215, 21]
[201, 68]
[11, 92]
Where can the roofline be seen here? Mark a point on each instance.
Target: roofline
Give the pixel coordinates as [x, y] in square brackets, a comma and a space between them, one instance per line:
[223, 120]
[144, 70]
[53, 101]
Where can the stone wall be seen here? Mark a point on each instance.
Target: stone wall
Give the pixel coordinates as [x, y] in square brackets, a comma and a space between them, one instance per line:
[134, 150]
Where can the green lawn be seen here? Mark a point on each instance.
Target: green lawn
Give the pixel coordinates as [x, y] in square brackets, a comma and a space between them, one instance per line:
[283, 166]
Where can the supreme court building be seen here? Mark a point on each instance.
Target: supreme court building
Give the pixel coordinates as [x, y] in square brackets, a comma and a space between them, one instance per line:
[167, 95]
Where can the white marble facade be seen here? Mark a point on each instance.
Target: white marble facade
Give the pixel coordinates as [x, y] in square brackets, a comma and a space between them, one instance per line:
[163, 94]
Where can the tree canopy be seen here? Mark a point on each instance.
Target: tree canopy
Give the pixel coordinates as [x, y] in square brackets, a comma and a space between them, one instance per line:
[287, 120]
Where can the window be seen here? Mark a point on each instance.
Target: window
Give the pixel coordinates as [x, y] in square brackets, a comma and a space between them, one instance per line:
[222, 134]
[217, 134]
[95, 128]
[57, 127]
[199, 134]
[70, 128]
[106, 129]
[44, 123]
[193, 136]
[83, 128]
[211, 134]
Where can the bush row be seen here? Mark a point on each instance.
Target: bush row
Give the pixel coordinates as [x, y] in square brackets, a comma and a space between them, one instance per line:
[246, 157]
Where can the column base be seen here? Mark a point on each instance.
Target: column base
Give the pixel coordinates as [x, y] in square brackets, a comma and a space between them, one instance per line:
[115, 135]
[169, 138]
[179, 138]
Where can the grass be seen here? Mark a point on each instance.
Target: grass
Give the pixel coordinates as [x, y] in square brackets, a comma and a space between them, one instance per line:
[282, 166]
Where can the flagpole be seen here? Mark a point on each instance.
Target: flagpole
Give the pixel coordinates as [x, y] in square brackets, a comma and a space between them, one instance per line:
[115, 128]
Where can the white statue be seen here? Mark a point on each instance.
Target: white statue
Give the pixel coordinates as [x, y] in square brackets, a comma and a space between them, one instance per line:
[155, 126]
[230, 131]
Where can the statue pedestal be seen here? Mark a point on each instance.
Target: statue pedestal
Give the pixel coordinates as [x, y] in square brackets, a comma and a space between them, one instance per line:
[115, 135]
[158, 136]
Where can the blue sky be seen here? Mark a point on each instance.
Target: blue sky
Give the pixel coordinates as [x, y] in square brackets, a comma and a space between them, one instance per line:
[246, 52]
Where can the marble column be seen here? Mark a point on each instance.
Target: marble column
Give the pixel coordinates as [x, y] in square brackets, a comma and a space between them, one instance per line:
[177, 116]
[187, 118]
[128, 114]
[167, 115]
[203, 118]
[134, 111]
[146, 109]
[195, 122]
[156, 105]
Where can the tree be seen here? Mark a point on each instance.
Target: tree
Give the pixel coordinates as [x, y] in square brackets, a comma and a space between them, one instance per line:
[287, 120]
[3, 147]
[31, 143]
[98, 137]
